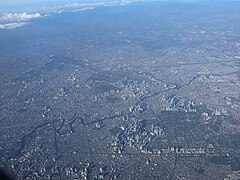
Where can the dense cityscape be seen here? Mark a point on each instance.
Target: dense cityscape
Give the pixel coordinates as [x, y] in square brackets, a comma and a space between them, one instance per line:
[145, 90]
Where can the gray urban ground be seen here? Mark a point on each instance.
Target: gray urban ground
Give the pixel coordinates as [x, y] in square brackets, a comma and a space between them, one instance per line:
[143, 91]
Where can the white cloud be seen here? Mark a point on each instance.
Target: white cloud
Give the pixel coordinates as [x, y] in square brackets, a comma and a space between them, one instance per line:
[82, 9]
[74, 7]
[12, 25]
[19, 16]
[14, 20]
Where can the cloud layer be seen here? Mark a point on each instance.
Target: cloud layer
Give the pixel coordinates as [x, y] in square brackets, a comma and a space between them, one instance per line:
[73, 7]
[14, 20]
[12, 25]
[19, 16]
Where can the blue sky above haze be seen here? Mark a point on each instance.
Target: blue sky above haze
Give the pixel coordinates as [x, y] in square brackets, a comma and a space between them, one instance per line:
[15, 3]
[7, 6]
[40, 6]
[25, 5]
[12, 6]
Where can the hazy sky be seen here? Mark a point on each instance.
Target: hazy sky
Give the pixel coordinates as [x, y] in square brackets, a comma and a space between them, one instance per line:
[14, 2]
[19, 4]
[32, 5]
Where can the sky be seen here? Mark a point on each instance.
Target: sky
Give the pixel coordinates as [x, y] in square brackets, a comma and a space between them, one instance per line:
[7, 6]
[30, 5]
[17, 13]
[4, 4]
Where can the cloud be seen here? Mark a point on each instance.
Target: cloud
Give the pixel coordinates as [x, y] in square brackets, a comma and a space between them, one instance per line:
[75, 7]
[19, 16]
[12, 25]
[14, 20]
[82, 9]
